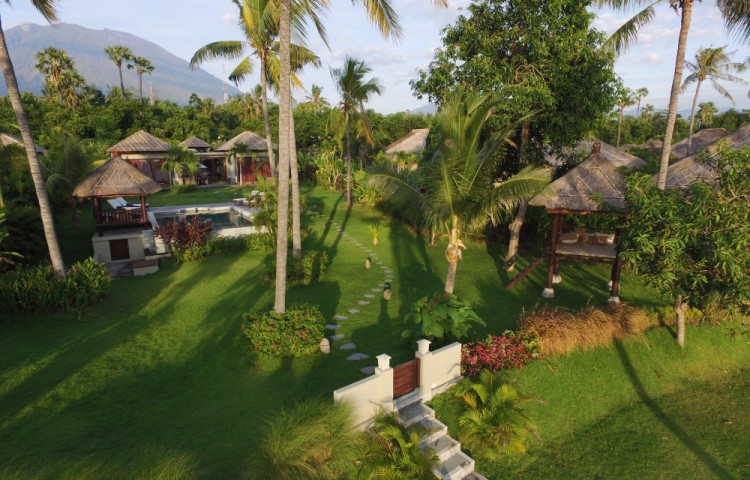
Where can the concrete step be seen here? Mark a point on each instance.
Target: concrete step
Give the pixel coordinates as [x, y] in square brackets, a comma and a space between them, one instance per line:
[444, 447]
[457, 467]
[475, 476]
[414, 413]
[408, 399]
[435, 429]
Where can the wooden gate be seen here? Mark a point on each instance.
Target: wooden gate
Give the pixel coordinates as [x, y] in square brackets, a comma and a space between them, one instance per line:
[405, 378]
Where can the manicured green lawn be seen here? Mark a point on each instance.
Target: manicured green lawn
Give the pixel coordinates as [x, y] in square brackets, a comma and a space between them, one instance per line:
[158, 379]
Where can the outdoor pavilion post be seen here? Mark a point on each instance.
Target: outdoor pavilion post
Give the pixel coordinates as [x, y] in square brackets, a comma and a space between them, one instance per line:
[614, 298]
[552, 266]
[98, 215]
[143, 209]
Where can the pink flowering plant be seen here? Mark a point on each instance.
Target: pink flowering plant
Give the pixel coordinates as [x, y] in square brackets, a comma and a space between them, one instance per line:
[498, 352]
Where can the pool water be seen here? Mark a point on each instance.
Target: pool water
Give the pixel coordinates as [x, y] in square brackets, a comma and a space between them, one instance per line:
[219, 220]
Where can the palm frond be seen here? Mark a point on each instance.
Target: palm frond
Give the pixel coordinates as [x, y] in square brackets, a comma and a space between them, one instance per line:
[48, 8]
[627, 34]
[736, 14]
[383, 16]
[229, 49]
[241, 71]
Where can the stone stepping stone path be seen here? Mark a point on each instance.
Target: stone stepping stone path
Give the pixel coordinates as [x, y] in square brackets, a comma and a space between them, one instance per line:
[338, 336]
[368, 370]
[353, 311]
[348, 346]
[340, 317]
[379, 289]
[357, 356]
[363, 303]
[331, 326]
[366, 295]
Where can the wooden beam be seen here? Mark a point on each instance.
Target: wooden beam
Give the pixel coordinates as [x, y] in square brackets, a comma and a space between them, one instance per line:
[525, 272]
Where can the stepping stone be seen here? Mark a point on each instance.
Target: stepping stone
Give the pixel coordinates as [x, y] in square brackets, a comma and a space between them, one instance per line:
[357, 356]
[353, 311]
[368, 370]
[367, 295]
[379, 289]
[330, 326]
[338, 336]
[347, 346]
[363, 303]
[340, 317]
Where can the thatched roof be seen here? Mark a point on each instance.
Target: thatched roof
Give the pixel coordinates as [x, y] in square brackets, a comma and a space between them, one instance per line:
[116, 178]
[8, 139]
[140, 142]
[614, 155]
[699, 166]
[414, 142]
[701, 140]
[195, 143]
[595, 184]
[253, 141]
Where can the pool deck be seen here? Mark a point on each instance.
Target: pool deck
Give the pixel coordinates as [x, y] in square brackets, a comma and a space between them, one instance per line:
[175, 208]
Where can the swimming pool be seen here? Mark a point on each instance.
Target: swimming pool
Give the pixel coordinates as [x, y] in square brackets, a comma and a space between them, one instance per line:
[228, 221]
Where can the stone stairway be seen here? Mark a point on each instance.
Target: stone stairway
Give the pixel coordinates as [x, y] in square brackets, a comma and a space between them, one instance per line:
[454, 464]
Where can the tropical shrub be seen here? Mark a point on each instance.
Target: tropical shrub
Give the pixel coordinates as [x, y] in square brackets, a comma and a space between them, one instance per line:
[294, 333]
[215, 246]
[309, 268]
[498, 352]
[441, 318]
[393, 451]
[184, 188]
[183, 234]
[363, 192]
[493, 421]
[315, 439]
[562, 331]
[36, 289]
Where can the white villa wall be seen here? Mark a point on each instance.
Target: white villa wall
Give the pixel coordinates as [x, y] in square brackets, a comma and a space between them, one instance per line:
[368, 396]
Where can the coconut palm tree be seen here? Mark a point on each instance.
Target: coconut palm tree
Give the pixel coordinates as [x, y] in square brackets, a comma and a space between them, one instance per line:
[119, 54]
[47, 9]
[714, 64]
[142, 65]
[639, 95]
[354, 90]
[494, 420]
[68, 162]
[179, 160]
[316, 100]
[736, 21]
[458, 186]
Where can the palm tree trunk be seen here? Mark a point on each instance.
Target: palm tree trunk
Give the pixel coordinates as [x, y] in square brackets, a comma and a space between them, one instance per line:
[348, 162]
[140, 87]
[515, 234]
[692, 117]
[285, 100]
[296, 232]
[619, 128]
[680, 307]
[687, 13]
[122, 85]
[266, 120]
[453, 255]
[45, 211]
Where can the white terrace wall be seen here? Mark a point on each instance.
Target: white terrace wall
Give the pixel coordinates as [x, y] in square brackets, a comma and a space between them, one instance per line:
[438, 370]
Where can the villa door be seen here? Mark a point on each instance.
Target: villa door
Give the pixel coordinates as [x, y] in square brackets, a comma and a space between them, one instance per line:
[405, 378]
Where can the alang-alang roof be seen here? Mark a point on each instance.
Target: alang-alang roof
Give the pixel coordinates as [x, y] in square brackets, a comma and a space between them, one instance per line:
[595, 184]
[116, 178]
[140, 142]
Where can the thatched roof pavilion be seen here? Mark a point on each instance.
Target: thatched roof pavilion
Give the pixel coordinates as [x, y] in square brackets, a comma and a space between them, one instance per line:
[700, 140]
[595, 186]
[117, 178]
[140, 142]
[253, 142]
[195, 143]
[414, 142]
[683, 173]
[8, 139]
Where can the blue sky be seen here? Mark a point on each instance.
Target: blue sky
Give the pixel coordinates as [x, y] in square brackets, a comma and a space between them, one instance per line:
[182, 27]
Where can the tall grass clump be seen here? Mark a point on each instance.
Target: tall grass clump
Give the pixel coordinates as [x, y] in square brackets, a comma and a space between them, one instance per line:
[562, 331]
[315, 439]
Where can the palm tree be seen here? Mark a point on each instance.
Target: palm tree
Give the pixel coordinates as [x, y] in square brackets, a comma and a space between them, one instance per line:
[47, 9]
[714, 64]
[316, 100]
[119, 54]
[60, 75]
[494, 421]
[458, 186]
[354, 90]
[394, 451]
[179, 160]
[639, 95]
[142, 65]
[736, 21]
[69, 162]
[625, 99]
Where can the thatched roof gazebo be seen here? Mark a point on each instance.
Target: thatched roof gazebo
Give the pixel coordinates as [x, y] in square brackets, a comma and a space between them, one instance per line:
[249, 165]
[195, 143]
[595, 186]
[117, 178]
[414, 142]
[700, 140]
[253, 142]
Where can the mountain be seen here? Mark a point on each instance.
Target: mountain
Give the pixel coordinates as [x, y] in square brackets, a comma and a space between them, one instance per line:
[172, 78]
[429, 109]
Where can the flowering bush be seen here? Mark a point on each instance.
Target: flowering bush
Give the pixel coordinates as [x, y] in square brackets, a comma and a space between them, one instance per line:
[509, 350]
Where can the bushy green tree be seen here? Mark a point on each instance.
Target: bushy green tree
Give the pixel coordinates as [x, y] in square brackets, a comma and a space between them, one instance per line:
[693, 244]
